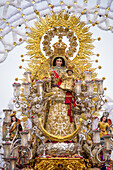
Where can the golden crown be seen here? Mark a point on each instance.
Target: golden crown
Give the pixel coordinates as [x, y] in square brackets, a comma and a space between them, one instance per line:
[59, 47]
[70, 66]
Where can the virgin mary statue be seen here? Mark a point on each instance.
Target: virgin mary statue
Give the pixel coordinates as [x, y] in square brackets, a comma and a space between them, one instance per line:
[56, 113]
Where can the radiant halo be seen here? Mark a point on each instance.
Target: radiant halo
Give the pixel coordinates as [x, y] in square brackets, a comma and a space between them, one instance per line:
[67, 36]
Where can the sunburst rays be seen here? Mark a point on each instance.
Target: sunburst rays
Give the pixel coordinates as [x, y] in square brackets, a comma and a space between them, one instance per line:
[82, 58]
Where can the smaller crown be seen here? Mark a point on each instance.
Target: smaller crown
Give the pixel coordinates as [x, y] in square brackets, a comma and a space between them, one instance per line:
[70, 66]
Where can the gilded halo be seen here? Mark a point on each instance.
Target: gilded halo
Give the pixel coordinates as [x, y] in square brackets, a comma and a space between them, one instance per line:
[60, 33]
[60, 25]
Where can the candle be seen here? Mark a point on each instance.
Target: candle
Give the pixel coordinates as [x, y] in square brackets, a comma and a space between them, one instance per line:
[39, 84]
[26, 88]
[7, 117]
[107, 143]
[88, 75]
[16, 87]
[28, 76]
[15, 152]
[29, 134]
[99, 84]
[96, 136]
[24, 137]
[13, 163]
[78, 87]
[90, 88]
[6, 147]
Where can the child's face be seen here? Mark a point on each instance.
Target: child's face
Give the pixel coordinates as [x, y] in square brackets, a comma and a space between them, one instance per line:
[70, 73]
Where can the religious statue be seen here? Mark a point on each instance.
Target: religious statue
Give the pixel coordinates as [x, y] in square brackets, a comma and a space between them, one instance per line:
[15, 127]
[104, 124]
[59, 119]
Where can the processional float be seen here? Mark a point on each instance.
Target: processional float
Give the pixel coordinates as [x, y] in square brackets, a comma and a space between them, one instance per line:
[60, 96]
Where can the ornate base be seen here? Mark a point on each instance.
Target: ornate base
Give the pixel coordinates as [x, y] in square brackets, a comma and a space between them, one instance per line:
[58, 149]
[60, 163]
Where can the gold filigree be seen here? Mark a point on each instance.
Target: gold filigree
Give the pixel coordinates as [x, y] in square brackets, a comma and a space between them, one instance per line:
[60, 25]
[60, 32]
[56, 163]
[60, 138]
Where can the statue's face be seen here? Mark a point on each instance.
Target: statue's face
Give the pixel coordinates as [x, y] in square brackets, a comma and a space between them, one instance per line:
[59, 62]
[104, 119]
[13, 118]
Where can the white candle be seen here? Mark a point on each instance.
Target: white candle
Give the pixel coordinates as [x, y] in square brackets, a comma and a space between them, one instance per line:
[99, 86]
[26, 89]
[6, 147]
[77, 87]
[40, 87]
[16, 89]
[107, 143]
[13, 163]
[28, 76]
[88, 75]
[29, 134]
[15, 152]
[7, 115]
[90, 88]
[24, 138]
[96, 136]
